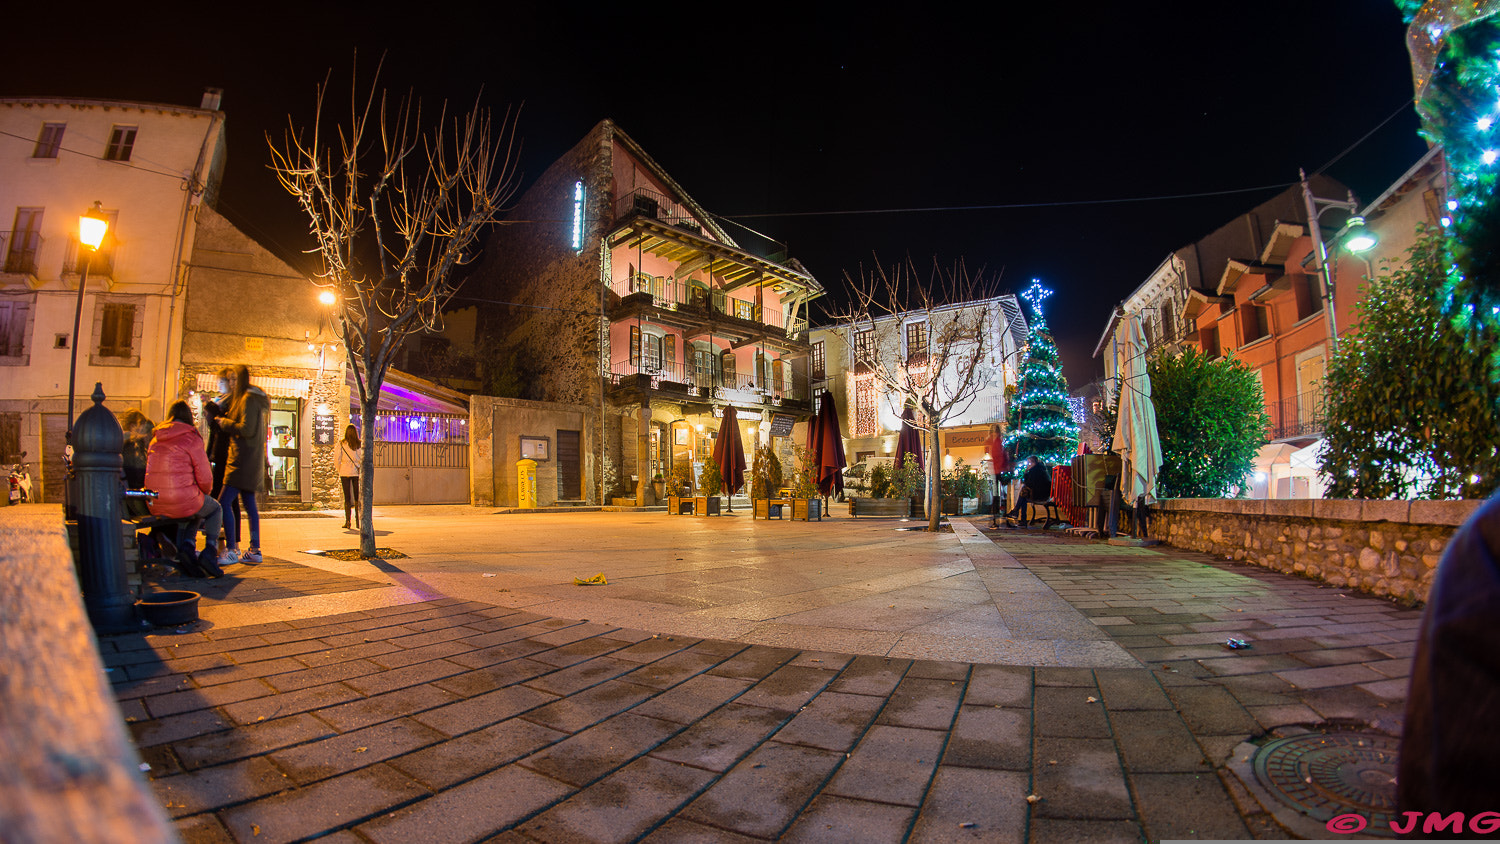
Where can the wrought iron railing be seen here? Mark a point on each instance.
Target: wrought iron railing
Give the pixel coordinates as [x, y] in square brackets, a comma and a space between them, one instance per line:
[658, 206]
[700, 381]
[1300, 416]
[20, 249]
[671, 294]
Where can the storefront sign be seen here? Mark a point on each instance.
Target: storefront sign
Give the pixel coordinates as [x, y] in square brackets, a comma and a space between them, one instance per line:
[255, 344]
[964, 439]
[325, 429]
[781, 424]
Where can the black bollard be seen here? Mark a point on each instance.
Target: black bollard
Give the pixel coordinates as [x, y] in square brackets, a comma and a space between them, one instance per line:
[98, 442]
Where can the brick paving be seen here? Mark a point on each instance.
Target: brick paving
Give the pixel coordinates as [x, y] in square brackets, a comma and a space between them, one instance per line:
[459, 720]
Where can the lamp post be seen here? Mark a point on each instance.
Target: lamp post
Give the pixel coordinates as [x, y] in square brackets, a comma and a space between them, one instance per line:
[1361, 242]
[92, 226]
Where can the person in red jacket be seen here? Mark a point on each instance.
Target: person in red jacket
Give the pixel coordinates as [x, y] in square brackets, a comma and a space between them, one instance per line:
[177, 469]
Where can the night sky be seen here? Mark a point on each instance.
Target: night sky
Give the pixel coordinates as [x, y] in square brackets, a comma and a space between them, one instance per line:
[763, 112]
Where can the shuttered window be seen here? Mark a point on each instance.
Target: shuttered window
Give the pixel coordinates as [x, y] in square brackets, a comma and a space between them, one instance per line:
[117, 332]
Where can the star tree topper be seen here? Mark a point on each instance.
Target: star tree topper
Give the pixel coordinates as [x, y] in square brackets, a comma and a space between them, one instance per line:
[1034, 296]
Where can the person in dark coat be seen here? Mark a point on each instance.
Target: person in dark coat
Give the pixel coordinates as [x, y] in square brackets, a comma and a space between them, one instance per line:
[177, 469]
[1036, 485]
[138, 429]
[218, 441]
[245, 466]
[1451, 736]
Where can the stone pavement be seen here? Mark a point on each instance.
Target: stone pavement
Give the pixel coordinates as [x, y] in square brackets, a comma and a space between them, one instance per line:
[418, 715]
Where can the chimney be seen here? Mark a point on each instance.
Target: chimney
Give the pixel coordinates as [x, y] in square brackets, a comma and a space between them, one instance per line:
[211, 98]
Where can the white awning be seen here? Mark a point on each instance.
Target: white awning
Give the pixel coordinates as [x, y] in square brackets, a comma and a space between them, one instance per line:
[285, 388]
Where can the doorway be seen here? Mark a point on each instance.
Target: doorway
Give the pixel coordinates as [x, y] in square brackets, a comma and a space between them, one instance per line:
[569, 465]
[283, 448]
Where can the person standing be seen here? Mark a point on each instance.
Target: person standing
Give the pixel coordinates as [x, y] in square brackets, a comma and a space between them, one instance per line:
[218, 441]
[177, 469]
[245, 465]
[351, 457]
[1001, 466]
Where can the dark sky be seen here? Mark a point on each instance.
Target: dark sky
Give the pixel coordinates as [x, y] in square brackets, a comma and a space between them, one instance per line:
[766, 109]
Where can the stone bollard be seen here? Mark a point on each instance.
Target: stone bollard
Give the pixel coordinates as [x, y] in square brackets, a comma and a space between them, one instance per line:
[98, 442]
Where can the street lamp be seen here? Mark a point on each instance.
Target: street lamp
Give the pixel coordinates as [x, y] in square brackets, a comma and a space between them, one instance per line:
[92, 226]
[1315, 208]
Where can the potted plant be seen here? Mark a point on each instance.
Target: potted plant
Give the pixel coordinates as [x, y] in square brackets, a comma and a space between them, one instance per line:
[907, 480]
[889, 489]
[806, 505]
[960, 489]
[658, 482]
[710, 484]
[765, 484]
[679, 491]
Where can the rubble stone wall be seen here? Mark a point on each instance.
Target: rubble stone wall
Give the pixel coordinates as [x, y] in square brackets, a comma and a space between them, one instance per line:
[1385, 548]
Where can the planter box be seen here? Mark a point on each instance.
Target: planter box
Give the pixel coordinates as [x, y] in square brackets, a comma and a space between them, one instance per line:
[707, 505]
[880, 508]
[952, 505]
[770, 508]
[807, 509]
[679, 506]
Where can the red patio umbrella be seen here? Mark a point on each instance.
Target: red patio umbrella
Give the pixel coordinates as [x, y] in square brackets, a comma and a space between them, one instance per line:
[909, 441]
[831, 461]
[729, 453]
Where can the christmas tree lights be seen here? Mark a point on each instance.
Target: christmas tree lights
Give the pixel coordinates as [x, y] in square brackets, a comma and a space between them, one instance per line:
[1041, 423]
[1455, 46]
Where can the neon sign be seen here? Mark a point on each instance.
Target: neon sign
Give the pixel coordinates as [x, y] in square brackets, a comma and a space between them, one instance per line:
[578, 215]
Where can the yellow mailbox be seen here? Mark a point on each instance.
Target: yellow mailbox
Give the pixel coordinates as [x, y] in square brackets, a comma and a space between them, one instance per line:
[526, 483]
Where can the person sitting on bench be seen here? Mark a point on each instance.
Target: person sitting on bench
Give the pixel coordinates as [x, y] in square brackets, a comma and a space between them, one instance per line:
[1036, 486]
[177, 469]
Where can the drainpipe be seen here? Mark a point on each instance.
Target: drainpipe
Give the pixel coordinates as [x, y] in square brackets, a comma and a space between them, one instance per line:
[195, 189]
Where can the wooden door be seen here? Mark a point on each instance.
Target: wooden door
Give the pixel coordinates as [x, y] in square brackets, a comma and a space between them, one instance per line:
[569, 465]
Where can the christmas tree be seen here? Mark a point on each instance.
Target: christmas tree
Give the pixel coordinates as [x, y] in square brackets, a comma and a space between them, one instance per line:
[1041, 424]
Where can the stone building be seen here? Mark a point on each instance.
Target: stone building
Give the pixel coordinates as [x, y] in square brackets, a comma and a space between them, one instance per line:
[641, 315]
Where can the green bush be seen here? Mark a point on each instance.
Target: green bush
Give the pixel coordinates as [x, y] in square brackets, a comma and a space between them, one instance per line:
[1211, 417]
[961, 481]
[880, 481]
[906, 478]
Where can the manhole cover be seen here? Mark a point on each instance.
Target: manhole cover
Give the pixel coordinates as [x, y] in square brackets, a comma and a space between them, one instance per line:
[1330, 774]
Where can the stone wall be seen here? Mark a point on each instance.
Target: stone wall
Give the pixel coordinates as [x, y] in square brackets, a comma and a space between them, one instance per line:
[1385, 548]
[496, 426]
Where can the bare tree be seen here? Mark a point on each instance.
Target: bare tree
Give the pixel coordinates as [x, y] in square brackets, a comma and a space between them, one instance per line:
[395, 208]
[963, 344]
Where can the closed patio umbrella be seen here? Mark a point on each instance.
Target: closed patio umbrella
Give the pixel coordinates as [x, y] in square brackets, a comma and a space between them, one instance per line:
[831, 461]
[729, 454]
[909, 441]
[1136, 438]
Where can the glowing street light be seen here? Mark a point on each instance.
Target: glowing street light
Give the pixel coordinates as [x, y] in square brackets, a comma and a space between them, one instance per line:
[92, 226]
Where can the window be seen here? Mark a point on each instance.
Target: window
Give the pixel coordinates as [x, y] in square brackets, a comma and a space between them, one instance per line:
[651, 353]
[15, 313]
[1253, 323]
[1208, 338]
[24, 242]
[669, 352]
[916, 342]
[1308, 291]
[1168, 323]
[117, 335]
[121, 142]
[864, 345]
[635, 345]
[727, 367]
[817, 360]
[744, 310]
[50, 141]
[101, 260]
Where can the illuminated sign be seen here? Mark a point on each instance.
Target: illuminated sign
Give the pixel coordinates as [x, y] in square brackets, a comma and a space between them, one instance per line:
[578, 215]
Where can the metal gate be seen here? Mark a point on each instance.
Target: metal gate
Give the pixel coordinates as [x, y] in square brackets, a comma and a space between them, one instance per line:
[421, 458]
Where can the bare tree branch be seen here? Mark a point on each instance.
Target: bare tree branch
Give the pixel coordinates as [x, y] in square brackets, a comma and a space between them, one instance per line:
[963, 350]
[394, 210]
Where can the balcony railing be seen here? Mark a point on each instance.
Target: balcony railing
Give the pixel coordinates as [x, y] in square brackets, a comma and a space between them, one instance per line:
[672, 295]
[704, 383]
[1300, 416]
[20, 250]
[101, 262]
[657, 206]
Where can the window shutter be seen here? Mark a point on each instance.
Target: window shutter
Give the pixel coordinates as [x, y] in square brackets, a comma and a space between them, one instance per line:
[12, 328]
[115, 332]
[730, 376]
[635, 346]
[669, 351]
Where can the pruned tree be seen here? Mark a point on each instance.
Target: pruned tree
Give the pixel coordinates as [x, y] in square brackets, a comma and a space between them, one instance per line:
[955, 361]
[395, 207]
